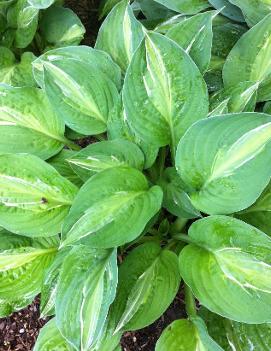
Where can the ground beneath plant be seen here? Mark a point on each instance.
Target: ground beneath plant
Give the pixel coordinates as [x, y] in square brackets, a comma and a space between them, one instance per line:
[20, 331]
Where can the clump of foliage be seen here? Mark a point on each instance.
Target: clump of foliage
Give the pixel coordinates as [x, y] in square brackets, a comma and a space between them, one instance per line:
[174, 189]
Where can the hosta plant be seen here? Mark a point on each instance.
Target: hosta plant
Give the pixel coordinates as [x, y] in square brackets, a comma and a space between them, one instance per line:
[172, 193]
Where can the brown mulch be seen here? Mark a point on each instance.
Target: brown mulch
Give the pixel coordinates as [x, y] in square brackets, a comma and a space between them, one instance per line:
[20, 331]
[145, 339]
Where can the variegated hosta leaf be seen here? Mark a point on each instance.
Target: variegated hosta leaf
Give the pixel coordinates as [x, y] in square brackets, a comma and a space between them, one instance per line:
[118, 128]
[148, 282]
[106, 154]
[228, 9]
[85, 291]
[259, 214]
[41, 4]
[28, 123]
[120, 34]
[189, 7]
[195, 35]
[164, 92]
[230, 272]
[22, 265]
[50, 339]
[249, 59]
[95, 58]
[49, 285]
[108, 341]
[112, 208]
[254, 11]
[60, 26]
[242, 97]
[186, 335]
[16, 73]
[24, 18]
[223, 159]
[82, 94]
[61, 164]
[234, 336]
[34, 197]
[176, 200]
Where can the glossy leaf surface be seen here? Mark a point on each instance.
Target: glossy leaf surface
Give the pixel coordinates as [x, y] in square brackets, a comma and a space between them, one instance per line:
[224, 160]
[112, 208]
[171, 95]
[34, 201]
[231, 262]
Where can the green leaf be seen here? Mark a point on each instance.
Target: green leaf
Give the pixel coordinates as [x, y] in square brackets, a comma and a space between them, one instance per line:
[148, 282]
[237, 336]
[120, 34]
[112, 208]
[24, 18]
[22, 265]
[118, 128]
[172, 95]
[106, 6]
[258, 214]
[154, 11]
[41, 4]
[85, 291]
[34, 197]
[242, 97]
[16, 73]
[96, 58]
[50, 339]
[249, 59]
[254, 11]
[28, 123]
[61, 163]
[228, 9]
[49, 285]
[223, 160]
[195, 35]
[176, 200]
[231, 262]
[60, 26]
[188, 7]
[216, 327]
[186, 335]
[225, 36]
[106, 154]
[81, 93]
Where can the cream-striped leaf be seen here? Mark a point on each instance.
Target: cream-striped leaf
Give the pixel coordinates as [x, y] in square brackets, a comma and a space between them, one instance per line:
[164, 92]
[85, 291]
[112, 208]
[28, 123]
[249, 59]
[106, 154]
[230, 272]
[224, 161]
[34, 197]
[120, 34]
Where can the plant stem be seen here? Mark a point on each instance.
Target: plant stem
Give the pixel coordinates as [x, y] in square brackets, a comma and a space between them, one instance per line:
[178, 225]
[72, 145]
[183, 237]
[190, 304]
